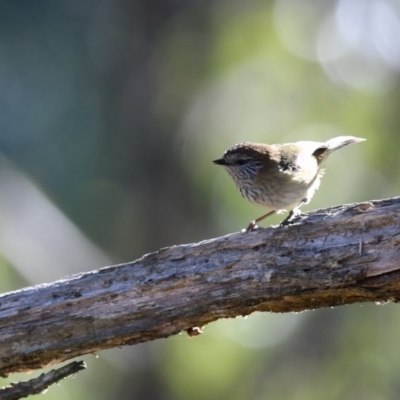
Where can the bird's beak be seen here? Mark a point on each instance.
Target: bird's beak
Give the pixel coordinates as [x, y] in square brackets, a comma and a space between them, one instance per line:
[220, 161]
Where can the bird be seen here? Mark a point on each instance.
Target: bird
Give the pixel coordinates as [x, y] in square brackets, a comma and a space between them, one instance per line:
[279, 176]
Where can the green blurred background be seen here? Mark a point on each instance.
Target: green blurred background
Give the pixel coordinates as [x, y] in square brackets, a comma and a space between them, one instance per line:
[111, 112]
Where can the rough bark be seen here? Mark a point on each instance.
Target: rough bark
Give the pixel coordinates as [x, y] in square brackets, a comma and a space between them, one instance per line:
[331, 257]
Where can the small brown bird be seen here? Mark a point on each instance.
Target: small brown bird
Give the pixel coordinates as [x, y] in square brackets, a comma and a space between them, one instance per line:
[279, 176]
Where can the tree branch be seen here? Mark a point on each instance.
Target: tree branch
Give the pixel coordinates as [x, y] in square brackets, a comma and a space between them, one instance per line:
[331, 257]
[38, 385]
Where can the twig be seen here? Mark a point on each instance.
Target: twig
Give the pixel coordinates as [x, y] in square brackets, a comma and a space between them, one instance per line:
[38, 385]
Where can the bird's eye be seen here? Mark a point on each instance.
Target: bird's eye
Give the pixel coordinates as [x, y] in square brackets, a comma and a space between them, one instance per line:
[241, 162]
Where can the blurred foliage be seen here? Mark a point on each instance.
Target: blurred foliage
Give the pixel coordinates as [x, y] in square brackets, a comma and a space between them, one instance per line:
[111, 112]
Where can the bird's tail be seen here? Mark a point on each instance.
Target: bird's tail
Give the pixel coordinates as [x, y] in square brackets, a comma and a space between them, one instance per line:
[334, 144]
[341, 141]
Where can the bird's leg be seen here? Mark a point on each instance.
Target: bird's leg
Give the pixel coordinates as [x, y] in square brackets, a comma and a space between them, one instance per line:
[293, 214]
[253, 224]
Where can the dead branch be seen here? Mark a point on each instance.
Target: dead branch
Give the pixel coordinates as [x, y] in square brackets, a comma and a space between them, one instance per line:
[38, 385]
[330, 257]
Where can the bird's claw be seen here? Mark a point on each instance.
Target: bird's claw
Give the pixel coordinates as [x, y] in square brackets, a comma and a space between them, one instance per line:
[252, 227]
[290, 218]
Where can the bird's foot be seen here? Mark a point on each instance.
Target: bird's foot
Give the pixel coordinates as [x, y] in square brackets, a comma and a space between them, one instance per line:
[291, 217]
[252, 227]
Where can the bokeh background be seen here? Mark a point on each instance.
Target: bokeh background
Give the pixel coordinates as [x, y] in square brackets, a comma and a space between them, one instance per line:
[110, 114]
